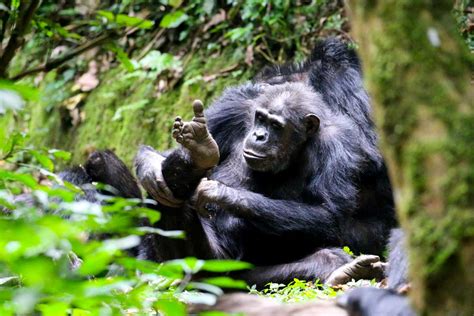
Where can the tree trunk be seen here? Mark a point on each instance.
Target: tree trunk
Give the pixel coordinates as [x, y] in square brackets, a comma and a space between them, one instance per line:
[418, 72]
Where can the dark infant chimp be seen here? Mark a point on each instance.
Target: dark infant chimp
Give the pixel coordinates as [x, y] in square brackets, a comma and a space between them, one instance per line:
[290, 174]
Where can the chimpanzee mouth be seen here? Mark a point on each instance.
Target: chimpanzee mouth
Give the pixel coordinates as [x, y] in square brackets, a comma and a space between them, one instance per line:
[252, 155]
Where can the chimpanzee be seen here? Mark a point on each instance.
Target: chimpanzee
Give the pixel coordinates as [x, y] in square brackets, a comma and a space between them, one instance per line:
[280, 172]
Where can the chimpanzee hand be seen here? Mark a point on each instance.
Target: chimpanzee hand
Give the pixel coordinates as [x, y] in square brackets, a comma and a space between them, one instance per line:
[151, 178]
[195, 137]
[208, 195]
[363, 267]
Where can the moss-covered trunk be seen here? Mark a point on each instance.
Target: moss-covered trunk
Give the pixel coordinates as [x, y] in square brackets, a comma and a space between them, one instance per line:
[418, 72]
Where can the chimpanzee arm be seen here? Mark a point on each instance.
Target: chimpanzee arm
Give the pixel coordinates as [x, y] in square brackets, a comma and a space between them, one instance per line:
[280, 216]
[271, 215]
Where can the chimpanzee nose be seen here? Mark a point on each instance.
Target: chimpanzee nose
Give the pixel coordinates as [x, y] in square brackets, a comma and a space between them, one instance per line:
[259, 135]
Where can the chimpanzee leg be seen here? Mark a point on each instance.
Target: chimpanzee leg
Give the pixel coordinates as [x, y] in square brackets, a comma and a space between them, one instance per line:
[105, 167]
[330, 265]
[319, 265]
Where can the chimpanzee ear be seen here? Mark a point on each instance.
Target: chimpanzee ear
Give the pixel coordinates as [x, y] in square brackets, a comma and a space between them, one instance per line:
[311, 122]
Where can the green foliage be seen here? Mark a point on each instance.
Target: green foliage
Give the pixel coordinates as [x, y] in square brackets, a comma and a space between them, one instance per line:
[301, 291]
[60, 255]
[297, 291]
[347, 250]
[173, 19]
[125, 20]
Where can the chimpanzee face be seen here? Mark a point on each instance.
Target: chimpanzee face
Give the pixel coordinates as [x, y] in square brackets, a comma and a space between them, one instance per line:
[281, 127]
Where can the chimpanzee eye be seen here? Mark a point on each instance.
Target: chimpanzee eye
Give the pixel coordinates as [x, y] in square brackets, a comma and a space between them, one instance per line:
[277, 125]
[258, 117]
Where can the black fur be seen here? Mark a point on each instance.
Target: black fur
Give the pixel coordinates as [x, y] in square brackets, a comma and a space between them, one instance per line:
[336, 193]
[106, 168]
[375, 302]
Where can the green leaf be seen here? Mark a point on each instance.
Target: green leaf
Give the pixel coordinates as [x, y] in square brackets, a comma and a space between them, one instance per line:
[25, 179]
[198, 298]
[225, 265]
[170, 307]
[239, 33]
[189, 265]
[175, 3]
[7, 279]
[226, 282]
[44, 160]
[173, 19]
[10, 143]
[122, 56]
[26, 91]
[126, 20]
[152, 215]
[178, 234]
[60, 154]
[158, 62]
[347, 250]
[53, 308]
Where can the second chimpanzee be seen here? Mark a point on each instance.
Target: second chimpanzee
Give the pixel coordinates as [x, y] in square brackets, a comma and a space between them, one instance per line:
[290, 174]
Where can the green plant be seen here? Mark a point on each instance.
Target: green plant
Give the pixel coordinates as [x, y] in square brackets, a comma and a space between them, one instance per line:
[62, 255]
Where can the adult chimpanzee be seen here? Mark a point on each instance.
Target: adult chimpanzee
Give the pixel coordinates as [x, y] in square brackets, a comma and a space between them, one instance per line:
[293, 171]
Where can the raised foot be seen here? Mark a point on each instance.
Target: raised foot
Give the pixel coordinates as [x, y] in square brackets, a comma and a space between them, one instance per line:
[195, 137]
[362, 267]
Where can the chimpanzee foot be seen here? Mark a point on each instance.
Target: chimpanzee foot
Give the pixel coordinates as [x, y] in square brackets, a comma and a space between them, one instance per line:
[195, 137]
[362, 267]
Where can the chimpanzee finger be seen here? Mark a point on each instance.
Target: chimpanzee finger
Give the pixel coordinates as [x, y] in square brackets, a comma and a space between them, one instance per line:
[178, 118]
[366, 260]
[177, 124]
[179, 139]
[187, 129]
[198, 108]
[175, 133]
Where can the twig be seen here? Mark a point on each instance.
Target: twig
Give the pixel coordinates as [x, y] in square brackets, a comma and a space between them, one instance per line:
[4, 19]
[56, 62]
[149, 46]
[17, 35]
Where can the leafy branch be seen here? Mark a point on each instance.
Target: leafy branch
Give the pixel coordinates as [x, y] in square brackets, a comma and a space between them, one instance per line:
[26, 12]
[56, 62]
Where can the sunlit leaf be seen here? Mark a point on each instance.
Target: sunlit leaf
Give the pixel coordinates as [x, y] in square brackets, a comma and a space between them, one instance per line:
[10, 100]
[173, 19]
[122, 56]
[198, 298]
[226, 282]
[54, 308]
[61, 154]
[43, 159]
[175, 3]
[225, 265]
[25, 91]
[179, 234]
[7, 279]
[189, 264]
[126, 20]
[170, 307]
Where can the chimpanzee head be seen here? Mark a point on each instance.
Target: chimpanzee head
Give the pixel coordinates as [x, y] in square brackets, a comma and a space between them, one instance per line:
[285, 119]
